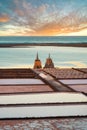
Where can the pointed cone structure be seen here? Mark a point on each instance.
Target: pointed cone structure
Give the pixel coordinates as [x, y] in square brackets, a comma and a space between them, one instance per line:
[49, 55]
[49, 63]
[37, 56]
[37, 63]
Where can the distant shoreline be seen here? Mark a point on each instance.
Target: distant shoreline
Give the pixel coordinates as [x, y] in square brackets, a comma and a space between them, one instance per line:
[43, 44]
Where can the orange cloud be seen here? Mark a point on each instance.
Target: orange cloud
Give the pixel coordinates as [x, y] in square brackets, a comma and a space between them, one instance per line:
[4, 18]
[47, 29]
[53, 28]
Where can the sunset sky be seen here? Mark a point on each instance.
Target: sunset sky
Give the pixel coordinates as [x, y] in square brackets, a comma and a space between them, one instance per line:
[43, 17]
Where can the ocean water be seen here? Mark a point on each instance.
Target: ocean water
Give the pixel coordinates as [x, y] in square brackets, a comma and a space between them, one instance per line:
[55, 39]
[24, 57]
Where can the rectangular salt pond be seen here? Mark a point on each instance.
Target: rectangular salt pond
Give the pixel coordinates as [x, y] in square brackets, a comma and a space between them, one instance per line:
[80, 88]
[43, 111]
[25, 88]
[74, 81]
[20, 81]
[43, 98]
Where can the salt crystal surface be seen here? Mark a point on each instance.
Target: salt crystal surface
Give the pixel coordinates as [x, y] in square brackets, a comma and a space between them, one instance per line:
[43, 98]
[74, 81]
[20, 81]
[43, 111]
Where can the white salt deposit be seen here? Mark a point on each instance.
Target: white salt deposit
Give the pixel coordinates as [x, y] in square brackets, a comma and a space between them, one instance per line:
[43, 111]
[74, 81]
[43, 98]
[20, 81]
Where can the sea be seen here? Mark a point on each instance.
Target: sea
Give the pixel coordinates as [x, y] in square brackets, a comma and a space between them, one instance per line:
[42, 39]
[24, 56]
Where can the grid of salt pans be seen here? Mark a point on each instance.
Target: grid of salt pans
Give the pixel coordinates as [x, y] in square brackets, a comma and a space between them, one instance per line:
[45, 110]
[66, 73]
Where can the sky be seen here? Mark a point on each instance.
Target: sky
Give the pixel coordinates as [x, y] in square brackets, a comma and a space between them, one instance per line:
[43, 17]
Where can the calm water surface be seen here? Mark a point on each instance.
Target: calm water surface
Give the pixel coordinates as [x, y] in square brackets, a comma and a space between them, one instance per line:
[62, 56]
[43, 39]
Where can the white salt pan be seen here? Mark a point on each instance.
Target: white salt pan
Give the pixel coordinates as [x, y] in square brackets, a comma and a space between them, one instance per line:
[43, 98]
[74, 81]
[20, 81]
[43, 111]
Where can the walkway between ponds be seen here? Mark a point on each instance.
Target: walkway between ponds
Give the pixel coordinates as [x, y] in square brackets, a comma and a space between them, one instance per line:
[55, 85]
